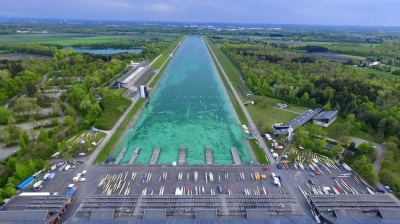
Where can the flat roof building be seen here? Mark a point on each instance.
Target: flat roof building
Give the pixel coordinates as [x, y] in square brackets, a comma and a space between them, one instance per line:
[325, 118]
[41, 209]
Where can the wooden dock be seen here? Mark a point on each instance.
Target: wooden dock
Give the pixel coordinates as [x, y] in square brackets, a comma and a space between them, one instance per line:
[209, 156]
[120, 156]
[134, 155]
[155, 155]
[235, 155]
[182, 156]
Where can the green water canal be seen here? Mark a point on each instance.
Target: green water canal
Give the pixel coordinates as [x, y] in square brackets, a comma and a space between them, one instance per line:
[190, 108]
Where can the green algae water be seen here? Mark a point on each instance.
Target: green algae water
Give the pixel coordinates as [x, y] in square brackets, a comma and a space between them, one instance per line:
[190, 108]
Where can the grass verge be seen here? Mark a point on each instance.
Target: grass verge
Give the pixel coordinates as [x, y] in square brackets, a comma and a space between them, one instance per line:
[173, 45]
[39, 177]
[102, 157]
[148, 78]
[235, 103]
[259, 153]
[160, 61]
[154, 82]
[230, 69]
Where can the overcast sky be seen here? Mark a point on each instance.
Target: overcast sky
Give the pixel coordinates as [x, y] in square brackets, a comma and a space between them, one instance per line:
[313, 12]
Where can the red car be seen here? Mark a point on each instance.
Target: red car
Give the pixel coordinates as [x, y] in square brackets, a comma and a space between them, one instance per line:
[265, 168]
[317, 172]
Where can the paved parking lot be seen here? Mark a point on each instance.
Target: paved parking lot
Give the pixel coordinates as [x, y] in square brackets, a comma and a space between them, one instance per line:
[291, 178]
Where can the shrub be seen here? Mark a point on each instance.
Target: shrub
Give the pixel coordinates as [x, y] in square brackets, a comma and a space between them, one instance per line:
[113, 107]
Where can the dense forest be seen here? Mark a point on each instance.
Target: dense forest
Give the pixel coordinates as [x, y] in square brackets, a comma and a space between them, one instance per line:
[316, 82]
[388, 53]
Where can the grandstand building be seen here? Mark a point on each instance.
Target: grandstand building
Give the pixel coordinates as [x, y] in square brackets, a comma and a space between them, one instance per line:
[134, 77]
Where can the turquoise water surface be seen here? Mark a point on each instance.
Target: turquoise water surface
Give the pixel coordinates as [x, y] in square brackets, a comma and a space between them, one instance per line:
[190, 108]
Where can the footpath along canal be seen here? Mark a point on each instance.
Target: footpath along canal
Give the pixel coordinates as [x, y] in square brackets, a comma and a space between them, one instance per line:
[190, 108]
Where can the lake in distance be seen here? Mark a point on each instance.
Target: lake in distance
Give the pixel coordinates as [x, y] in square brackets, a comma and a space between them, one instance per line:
[107, 50]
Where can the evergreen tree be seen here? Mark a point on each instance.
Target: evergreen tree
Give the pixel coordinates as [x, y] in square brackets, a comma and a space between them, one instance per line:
[22, 144]
[26, 137]
[42, 136]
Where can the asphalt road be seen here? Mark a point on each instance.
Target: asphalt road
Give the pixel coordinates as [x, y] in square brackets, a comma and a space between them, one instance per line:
[251, 124]
[6, 152]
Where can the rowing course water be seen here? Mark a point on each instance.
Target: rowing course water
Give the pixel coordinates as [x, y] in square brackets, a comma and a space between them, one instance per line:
[190, 108]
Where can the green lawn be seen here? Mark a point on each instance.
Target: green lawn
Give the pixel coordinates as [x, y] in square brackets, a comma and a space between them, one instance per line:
[235, 103]
[102, 157]
[155, 80]
[230, 69]
[352, 56]
[360, 134]
[119, 92]
[159, 62]
[269, 115]
[260, 155]
[173, 45]
[292, 107]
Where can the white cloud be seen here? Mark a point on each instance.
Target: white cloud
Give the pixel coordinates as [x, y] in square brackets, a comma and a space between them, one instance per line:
[161, 7]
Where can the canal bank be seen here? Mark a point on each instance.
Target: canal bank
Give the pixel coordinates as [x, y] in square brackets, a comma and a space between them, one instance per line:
[189, 108]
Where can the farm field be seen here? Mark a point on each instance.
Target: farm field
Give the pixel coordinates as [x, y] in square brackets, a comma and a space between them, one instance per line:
[16, 56]
[329, 56]
[353, 56]
[67, 40]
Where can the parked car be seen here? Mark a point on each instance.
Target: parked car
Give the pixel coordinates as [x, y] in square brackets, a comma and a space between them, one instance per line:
[311, 181]
[388, 189]
[82, 179]
[380, 191]
[75, 156]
